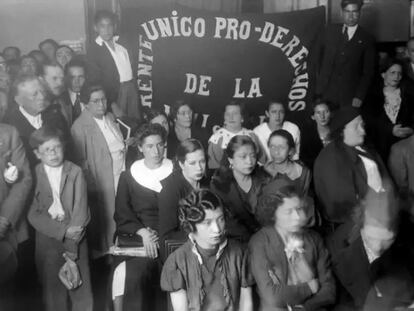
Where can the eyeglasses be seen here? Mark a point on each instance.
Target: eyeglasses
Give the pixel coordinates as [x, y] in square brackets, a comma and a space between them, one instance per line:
[50, 151]
[98, 101]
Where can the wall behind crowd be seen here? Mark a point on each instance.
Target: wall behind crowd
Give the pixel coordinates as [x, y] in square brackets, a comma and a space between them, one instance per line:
[24, 23]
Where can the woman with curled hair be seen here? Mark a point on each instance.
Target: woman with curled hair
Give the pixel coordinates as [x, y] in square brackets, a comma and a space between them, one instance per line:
[238, 182]
[208, 272]
[135, 282]
[191, 168]
[290, 264]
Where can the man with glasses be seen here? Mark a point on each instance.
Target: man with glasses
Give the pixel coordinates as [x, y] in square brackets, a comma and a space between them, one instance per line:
[348, 60]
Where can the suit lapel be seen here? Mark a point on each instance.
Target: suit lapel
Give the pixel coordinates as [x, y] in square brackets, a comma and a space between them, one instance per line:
[65, 174]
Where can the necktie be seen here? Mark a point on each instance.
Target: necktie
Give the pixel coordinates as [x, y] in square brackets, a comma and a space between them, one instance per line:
[77, 107]
[345, 33]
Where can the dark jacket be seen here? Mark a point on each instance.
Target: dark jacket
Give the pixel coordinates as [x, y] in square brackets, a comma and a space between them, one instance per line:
[136, 206]
[241, 222]
[347, 67]
[311, 144]
[379, 126]
[382, 285]
[102, 69]
[340, 180]
[266, 253]
[51, 116]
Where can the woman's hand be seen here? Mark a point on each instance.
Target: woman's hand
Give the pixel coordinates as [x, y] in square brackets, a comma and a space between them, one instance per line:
[150, 240]
[75, 233]
[314, 286]
[399, 131]
[11, 173]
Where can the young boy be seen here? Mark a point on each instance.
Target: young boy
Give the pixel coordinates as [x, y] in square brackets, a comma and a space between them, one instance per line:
[110, 66]
[208, 272]
[59, 214]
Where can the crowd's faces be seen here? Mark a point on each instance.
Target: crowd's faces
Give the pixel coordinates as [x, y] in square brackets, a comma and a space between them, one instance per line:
[194, 165]
[161, 120]
[392, 76]
[184, 117]
[211, 231]
[54, 78]
[410, 51]
[377, 239]
[31, 97]
[354, 132]
[97, 104]
[105, 29]
[233, 118]
[11, 53]
[244, 160]
[51, 152]
[63, 55]
[290, 216]
[279, 149]
[28, 66]
[321, 114]
[153, 150]
[49, 49]
[5, 80]
[276, 114]
[351, 14]
[3, 64]
[76, 78]
[3, 105]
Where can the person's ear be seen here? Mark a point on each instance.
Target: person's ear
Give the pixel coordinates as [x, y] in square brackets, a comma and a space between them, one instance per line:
[140, 148]
[230, 162]
[181, 165]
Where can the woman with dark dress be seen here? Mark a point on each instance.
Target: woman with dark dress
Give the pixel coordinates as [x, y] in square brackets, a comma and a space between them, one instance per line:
[135, 283]
[316, 135]
[183, 127]
[282, 167]
[388, 111]
[208, 272]
[290, 263]
[191, 162]
[238, 183]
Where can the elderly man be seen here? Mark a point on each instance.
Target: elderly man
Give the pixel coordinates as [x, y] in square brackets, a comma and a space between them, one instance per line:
[348, 62]
[75, 76]
[374, 268]
[15, 185]
[346, 169]
[32, 110]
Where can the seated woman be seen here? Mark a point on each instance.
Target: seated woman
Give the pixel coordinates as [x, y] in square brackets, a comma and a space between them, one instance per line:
[233, 120]
[238, 183]
[208, 272]
[183, 127]
[289, 263]
[316, 135]
[389, 112]
[191, 162]
[135, 279]
[281, 166]
[275, 114]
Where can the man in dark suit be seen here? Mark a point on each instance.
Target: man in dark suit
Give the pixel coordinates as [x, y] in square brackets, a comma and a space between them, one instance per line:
[32, 110]
[372, 264]
[110, 66]
[348, 61]
[75, 76]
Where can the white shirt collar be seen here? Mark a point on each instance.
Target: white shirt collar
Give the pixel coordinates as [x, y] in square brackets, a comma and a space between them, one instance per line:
[151, 178]
[35, 121]
[351, 30]
[100, 41]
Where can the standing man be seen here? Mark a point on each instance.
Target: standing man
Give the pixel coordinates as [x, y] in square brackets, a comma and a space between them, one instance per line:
[348, 60]
[110, 66]
[75, 77]
[32, 110]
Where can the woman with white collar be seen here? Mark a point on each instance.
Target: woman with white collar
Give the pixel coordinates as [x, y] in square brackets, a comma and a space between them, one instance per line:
[135, 283]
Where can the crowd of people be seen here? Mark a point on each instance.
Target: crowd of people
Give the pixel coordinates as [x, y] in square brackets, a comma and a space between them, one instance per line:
[282, 216]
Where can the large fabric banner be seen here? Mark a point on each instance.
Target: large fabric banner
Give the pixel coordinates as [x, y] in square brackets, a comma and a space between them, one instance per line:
[211, 58]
